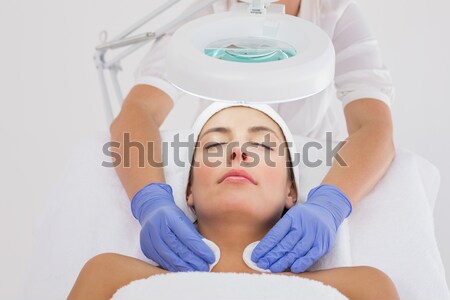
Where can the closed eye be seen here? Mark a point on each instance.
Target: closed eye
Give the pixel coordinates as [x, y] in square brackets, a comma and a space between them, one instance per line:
[210, 145]
[260, 144]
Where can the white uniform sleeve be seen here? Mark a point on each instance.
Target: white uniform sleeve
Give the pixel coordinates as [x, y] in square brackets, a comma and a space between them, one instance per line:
[152, 69]
[360, 72]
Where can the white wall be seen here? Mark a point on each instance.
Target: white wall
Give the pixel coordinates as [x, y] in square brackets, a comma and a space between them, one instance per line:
[415, 42]
[49, 97]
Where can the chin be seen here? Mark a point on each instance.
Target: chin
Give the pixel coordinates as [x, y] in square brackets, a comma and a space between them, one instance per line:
[238, 195]
[236, 203]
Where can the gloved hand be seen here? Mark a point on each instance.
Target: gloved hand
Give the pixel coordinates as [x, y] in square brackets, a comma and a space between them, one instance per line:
[167, 236]
[305, 233]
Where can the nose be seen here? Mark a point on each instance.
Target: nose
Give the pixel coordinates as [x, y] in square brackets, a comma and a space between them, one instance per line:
[237, 152]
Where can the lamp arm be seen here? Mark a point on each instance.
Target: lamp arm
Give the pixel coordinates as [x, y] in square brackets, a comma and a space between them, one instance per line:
[122, 39]
[135, 42]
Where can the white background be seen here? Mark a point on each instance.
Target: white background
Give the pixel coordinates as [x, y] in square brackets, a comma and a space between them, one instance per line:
[50, 99]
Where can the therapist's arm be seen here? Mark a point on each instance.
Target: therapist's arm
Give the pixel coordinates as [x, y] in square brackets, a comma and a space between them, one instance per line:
[369, 149]
[142, 113]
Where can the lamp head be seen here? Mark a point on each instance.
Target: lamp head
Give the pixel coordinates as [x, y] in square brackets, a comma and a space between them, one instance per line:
[240, 56]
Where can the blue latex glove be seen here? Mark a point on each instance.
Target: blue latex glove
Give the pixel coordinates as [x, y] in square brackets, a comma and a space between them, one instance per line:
[305, 233]
[167, 236]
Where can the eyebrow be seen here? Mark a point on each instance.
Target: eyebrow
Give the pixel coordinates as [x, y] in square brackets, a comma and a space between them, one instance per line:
[253, 129]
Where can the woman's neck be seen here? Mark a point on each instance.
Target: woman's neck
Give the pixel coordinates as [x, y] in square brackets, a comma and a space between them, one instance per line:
[232, 239]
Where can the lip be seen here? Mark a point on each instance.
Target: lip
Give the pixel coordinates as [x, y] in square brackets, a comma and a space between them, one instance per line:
[238, 173]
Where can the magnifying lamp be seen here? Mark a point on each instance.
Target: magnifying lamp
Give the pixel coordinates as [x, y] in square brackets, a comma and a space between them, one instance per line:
[254, 53]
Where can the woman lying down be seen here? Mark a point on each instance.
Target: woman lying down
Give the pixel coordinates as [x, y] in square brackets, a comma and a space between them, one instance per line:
[233, 212]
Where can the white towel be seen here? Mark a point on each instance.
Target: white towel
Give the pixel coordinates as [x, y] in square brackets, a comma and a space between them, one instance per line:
[217, 286]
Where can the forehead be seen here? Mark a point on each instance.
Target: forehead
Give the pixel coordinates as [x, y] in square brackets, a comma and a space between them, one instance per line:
[241, 118]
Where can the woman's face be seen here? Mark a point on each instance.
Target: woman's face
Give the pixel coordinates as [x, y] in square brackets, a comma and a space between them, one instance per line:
[236, 138]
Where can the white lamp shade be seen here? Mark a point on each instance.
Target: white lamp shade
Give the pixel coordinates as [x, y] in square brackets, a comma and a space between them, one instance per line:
[306, 73]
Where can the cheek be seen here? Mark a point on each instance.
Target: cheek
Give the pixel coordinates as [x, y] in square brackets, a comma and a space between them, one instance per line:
[207, 167]
[204, 184]
[203, 174]
[272, 180]
[272, 168]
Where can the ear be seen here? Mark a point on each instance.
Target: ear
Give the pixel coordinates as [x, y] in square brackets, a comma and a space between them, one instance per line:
[189, 197]
[291, 198]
